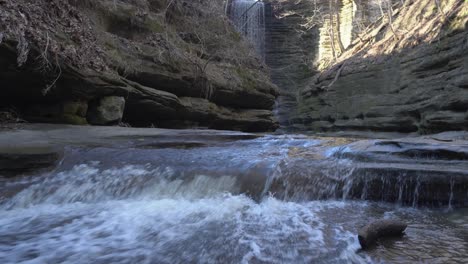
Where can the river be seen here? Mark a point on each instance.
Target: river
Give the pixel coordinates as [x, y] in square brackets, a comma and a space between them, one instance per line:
[203, 201]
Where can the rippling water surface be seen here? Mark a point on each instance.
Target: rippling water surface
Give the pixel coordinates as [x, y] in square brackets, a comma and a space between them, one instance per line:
[209, 204]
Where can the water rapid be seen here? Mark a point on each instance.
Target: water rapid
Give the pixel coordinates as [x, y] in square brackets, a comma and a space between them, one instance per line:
[255, 200]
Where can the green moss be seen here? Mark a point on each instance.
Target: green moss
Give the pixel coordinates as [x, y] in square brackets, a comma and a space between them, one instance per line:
[75, 108]
[74, 119]
[248, 78]
[236, 36]
[70, 108]
[153, 25]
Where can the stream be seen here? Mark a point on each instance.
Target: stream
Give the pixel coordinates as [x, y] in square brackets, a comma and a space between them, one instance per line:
[213, 201]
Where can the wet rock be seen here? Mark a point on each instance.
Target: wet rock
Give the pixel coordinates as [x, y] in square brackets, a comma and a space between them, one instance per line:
[37, 147]
[27, 160]
[430, 171]
[108, 110]
[370, 233]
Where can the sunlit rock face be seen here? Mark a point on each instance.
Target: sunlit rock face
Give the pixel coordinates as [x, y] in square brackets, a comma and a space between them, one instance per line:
[301, 37]
[404, 74]
[350, 18]
[407, 76]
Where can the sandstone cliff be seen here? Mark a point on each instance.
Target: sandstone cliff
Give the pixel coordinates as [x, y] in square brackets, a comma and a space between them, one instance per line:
[405, 74]
[157, 63]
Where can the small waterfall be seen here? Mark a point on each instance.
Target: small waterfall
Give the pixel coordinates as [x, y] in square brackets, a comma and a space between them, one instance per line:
[248, 16]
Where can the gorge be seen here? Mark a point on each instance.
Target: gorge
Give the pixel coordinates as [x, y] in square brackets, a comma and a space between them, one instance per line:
[239, 131]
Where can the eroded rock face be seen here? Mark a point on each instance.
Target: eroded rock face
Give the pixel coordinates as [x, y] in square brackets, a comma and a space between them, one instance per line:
[409, 82]
[138, 50]
[298, 43]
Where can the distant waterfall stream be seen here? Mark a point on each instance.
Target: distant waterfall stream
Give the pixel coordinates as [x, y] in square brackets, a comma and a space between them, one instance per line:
[248, 16]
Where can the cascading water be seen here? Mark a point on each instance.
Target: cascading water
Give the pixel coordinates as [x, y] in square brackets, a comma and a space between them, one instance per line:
[248, 16]
[255, 200]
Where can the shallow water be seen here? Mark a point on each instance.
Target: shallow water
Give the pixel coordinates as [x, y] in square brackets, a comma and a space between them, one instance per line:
[207, 204]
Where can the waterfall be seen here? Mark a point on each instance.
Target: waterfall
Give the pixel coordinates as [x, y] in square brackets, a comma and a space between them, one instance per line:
[248, 16]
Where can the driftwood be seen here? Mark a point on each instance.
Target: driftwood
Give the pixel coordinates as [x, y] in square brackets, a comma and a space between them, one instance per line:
[370, 233]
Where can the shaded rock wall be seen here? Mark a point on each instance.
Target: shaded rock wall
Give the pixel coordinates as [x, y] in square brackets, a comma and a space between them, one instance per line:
[299, 43]
[411, 78]
[290, 51]
[176, 65]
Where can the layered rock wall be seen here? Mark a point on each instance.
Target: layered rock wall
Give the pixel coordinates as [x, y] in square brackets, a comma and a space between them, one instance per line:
[174, 63]
[397, 66]
[405, 76]
[290, 50]
[303, 36]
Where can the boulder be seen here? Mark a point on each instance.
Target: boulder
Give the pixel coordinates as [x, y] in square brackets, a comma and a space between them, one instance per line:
[107, 110]
[370, 233]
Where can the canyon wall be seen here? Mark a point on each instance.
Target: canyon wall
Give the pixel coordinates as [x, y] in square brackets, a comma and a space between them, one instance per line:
[290, 51]
[302, 38]
[404, 72]
[155, 63]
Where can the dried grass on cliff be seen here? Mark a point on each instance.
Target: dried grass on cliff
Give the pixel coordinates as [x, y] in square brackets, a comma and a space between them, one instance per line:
[55, 29]
[49, 35]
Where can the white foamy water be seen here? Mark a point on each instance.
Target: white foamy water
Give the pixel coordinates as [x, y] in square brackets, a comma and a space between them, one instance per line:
[203, 205]
[87, 184]
[223, 229]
